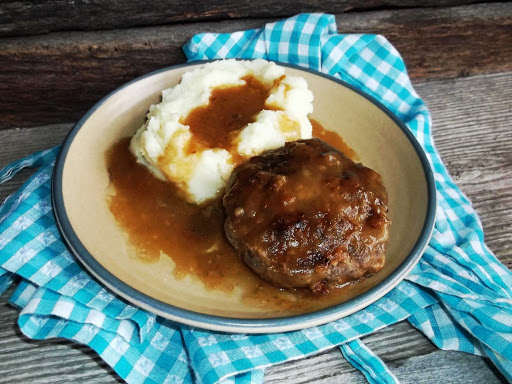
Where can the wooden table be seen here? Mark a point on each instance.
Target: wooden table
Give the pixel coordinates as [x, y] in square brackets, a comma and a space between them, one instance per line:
[58, 58]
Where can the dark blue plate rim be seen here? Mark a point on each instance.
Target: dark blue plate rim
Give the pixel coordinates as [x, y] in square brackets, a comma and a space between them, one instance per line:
[236, 324]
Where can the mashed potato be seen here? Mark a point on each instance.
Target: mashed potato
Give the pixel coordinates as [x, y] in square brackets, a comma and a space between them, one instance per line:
[163, 143]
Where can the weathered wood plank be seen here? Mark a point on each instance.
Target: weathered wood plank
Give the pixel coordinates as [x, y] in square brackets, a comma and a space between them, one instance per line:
[25, 17]
[55, 78]
[472, 117]
[17, 144]
[394, 344]
[33, 140]
[454, 367]
[444, 43]
[472, 126]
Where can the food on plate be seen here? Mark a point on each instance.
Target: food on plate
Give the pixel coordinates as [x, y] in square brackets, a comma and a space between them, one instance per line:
[304, 215]
[226, 178]
[218, 116]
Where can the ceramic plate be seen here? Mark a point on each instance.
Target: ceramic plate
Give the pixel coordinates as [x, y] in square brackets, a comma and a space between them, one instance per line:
[81, 179]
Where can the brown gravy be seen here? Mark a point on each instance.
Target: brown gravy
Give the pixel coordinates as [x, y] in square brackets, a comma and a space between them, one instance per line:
[158, 220]
[333, 139]
[229, 110]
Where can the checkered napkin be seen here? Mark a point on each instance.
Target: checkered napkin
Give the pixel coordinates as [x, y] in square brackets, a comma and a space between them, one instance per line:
[458, 295]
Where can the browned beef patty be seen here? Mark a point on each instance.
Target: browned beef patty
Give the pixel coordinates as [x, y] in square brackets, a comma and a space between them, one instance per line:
[304, 215]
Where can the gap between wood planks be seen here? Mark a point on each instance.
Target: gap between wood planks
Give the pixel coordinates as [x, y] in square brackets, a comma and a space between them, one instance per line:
[21, 18]
[55, 78]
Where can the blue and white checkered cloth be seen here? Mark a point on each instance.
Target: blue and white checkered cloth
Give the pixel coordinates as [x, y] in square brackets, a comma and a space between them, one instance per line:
[459, 295]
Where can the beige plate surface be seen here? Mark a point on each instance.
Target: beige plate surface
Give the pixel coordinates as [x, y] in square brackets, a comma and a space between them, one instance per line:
[81, 180]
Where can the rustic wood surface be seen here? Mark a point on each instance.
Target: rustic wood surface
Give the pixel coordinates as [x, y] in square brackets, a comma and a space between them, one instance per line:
[56, 77]
[58, 58]
[26, 18]
[472, 130]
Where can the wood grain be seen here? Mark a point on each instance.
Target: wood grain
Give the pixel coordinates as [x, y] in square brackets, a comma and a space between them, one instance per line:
[56, 78]
[444, 43]
[394, 344]
[472, 124]
[34, 139]
[24, 17]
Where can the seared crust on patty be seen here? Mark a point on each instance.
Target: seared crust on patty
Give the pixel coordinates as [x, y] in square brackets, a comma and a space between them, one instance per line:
[304, 215]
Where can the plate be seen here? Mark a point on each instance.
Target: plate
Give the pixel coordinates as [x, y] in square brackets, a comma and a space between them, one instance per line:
[81, 180]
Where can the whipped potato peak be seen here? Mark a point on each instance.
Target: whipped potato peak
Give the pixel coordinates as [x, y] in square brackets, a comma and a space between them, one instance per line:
[171, 150]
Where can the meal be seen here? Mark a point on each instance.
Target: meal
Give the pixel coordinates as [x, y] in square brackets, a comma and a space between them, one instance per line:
[246, 181]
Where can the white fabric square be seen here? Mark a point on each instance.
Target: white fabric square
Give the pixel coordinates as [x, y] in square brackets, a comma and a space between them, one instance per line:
[144, 366]
[354, 71]
[372, 84]
[220, 358]
[96, 318]
[384, 67]
[252, 351]
[63, 309]
[367, 54]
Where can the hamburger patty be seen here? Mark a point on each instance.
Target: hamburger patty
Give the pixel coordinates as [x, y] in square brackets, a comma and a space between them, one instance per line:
[304, 215]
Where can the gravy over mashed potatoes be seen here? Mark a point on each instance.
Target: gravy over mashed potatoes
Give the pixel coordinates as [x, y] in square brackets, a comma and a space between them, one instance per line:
[192, 140]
